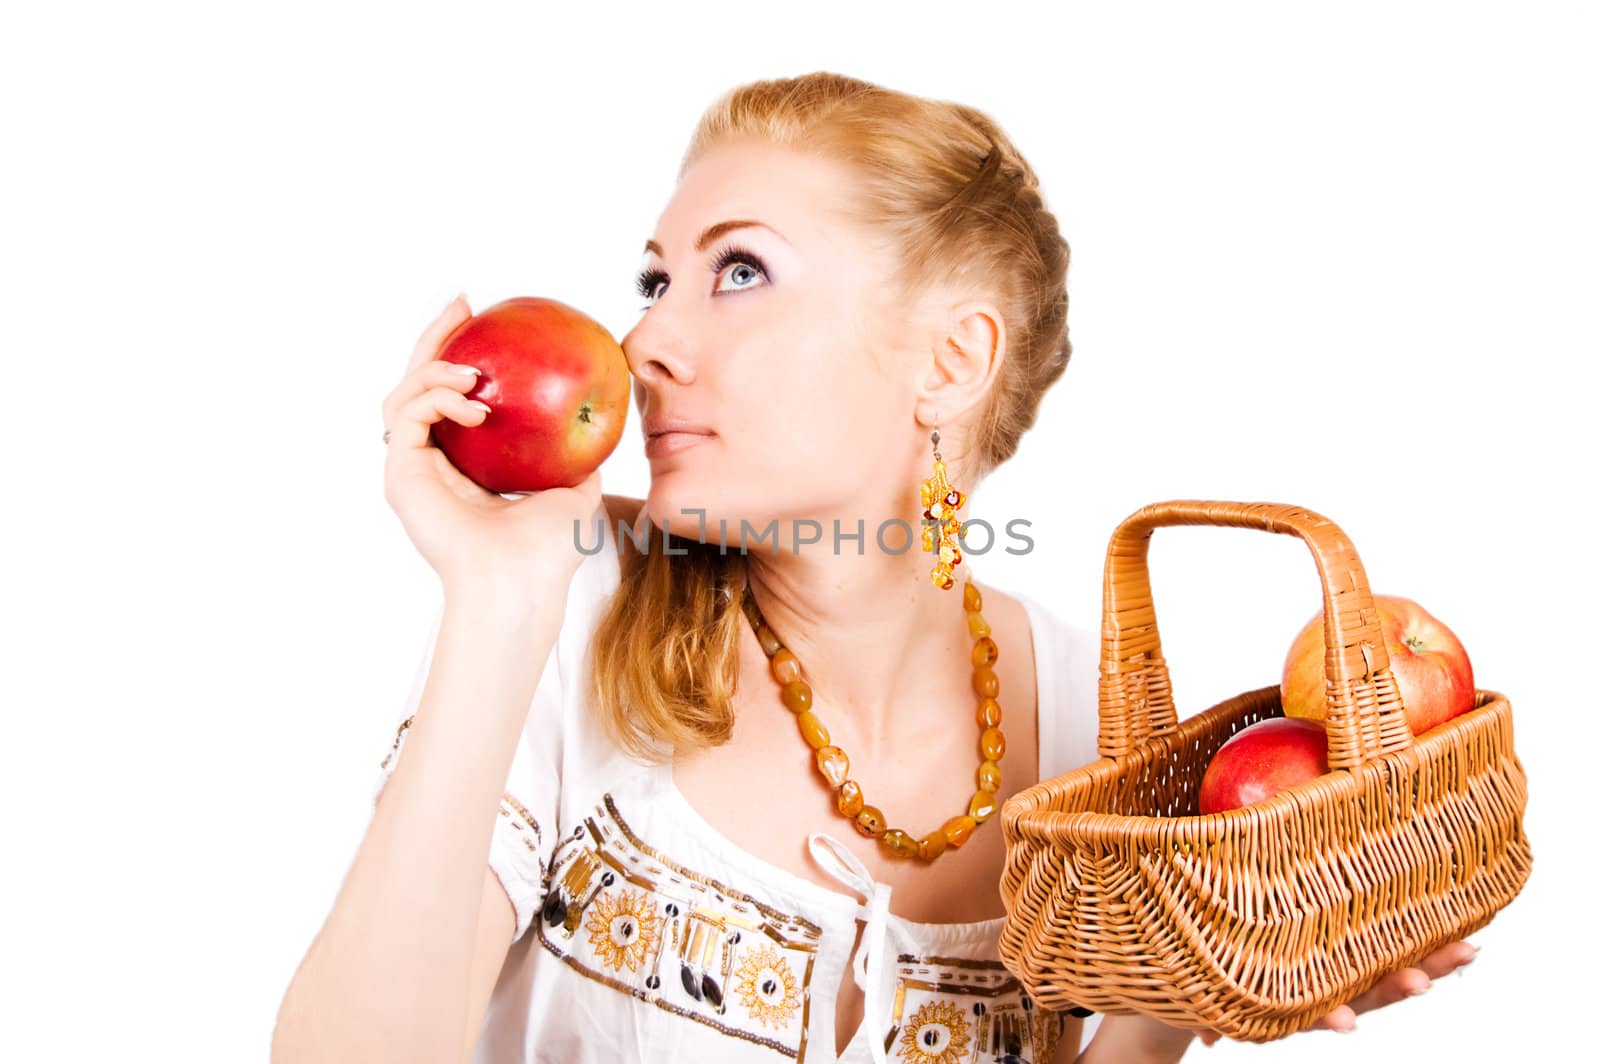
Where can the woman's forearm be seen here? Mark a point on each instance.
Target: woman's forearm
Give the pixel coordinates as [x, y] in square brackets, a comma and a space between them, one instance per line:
[1132, 1039]
[387, 977]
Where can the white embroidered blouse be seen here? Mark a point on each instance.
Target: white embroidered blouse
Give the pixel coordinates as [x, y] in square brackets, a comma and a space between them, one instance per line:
[643, 933]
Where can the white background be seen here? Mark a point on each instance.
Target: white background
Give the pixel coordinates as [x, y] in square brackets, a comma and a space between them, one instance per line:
[1341, 256]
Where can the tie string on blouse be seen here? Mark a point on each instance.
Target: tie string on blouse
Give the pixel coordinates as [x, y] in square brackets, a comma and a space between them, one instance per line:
[839, 862]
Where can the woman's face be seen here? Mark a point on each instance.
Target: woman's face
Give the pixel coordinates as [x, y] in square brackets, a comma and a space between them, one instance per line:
[780, 341]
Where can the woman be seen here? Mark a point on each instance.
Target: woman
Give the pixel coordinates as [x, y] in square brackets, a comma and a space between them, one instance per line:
[852, 293]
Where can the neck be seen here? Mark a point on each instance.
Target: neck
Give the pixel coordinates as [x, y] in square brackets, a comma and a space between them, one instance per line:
[873, 632]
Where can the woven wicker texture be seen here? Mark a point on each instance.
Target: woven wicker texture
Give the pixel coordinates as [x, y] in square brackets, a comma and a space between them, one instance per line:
[1258, 921]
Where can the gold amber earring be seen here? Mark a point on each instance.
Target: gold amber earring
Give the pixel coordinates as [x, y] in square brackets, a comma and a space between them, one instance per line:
[940, 502]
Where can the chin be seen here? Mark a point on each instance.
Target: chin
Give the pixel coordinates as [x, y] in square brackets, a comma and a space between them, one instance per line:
[673, 496]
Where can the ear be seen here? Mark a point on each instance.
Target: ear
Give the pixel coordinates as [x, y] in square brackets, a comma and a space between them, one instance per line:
[967, 348]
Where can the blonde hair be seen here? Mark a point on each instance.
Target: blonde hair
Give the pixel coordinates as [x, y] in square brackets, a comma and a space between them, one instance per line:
[946, 188]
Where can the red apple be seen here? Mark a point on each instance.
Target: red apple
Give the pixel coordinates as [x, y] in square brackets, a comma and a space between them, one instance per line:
[557, 385]
[1262, 760]
[1430, 666]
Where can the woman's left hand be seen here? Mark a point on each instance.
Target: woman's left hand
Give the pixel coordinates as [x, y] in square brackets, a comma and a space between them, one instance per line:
[1396, 986]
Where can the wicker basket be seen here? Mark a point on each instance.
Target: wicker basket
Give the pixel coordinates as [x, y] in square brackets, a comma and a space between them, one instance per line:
[1258, 921]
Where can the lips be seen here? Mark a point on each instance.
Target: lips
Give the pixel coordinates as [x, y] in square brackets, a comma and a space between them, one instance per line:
[659, 426]
[665, 443]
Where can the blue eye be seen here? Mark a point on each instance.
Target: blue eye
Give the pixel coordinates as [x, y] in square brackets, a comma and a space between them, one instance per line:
[743, 257]
[747, 260]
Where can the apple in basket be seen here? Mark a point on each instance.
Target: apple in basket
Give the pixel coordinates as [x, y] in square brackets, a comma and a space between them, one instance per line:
[1261, 760]
[1430, 666]
[557, 385]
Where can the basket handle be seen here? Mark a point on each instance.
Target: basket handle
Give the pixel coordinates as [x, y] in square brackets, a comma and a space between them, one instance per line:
[1366, 718]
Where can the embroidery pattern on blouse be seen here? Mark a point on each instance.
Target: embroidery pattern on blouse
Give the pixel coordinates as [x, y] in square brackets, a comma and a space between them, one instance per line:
[949, 1010]
[399, 737]
[524, 824]
[937, 1033]
[624, 929]
[676, 938]
[769, 989]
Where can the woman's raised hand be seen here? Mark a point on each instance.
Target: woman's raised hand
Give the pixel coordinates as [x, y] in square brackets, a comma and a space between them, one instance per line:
[476, 540]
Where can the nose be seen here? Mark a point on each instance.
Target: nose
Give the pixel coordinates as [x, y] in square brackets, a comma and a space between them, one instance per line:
[655, 353]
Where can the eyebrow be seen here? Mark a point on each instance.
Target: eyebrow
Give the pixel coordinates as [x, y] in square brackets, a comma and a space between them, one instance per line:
[712, 232]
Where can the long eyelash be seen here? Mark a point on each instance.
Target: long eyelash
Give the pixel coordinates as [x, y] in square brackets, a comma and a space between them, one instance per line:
[650, 277]
[734, 253]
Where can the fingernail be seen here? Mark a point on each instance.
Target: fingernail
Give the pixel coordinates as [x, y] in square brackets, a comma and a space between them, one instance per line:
[465, 371]
[1420, 990]
[481, 406]
[1346, 1030]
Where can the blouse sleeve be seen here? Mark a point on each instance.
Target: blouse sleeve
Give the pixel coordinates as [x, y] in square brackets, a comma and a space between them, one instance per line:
[1080, 680]
[1070, 719]
[1069, 704]
[525, 828]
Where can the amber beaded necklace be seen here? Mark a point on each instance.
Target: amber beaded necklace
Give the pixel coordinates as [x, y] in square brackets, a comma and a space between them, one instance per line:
[834, 765]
